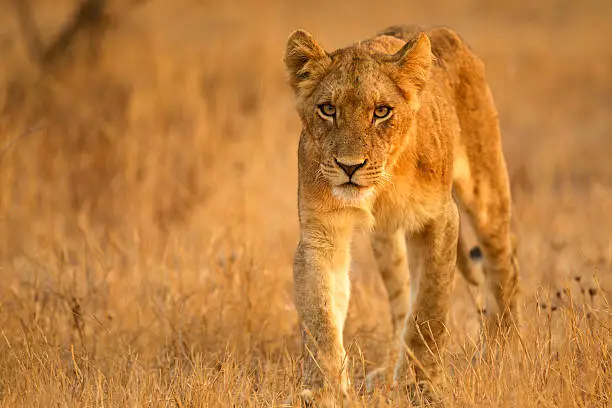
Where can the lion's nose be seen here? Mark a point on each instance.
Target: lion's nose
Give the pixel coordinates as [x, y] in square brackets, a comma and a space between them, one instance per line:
[350, 166]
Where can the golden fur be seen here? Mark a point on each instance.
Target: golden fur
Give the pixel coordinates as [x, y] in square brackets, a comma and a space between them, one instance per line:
[398, 132]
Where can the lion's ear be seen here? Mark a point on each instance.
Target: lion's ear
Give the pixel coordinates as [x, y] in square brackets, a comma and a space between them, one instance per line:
[305, 60]
[414, 61]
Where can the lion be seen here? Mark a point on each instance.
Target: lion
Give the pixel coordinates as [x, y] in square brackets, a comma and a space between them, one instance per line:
[399, 132]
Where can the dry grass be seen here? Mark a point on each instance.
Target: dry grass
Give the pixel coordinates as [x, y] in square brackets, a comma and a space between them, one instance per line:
[147, 206]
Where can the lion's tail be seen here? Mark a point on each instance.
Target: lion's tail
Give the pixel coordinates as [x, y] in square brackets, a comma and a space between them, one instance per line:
[467, 262]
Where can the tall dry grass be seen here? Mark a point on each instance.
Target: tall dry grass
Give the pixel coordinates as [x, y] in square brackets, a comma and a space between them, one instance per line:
[147, 206]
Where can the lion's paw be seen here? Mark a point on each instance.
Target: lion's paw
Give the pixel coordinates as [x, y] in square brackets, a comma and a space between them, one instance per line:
[376, 379]
[421, 394]
[317, 399]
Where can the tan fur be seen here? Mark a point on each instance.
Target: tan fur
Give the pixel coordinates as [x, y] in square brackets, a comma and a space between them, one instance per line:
[439, 148]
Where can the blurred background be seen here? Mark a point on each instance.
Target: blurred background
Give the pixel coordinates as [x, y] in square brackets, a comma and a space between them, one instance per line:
[148, 167]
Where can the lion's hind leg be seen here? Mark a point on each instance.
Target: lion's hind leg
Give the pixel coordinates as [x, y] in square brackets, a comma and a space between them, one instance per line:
[391, 259]
[486, 200]
[481, 181]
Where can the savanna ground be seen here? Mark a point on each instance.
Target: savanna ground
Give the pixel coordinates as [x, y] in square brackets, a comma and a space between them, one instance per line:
[148, 203]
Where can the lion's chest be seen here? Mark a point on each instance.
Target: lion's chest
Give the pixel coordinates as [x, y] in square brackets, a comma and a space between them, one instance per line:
[405, 206]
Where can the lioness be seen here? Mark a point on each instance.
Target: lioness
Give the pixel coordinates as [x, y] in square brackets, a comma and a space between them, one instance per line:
[398, 132]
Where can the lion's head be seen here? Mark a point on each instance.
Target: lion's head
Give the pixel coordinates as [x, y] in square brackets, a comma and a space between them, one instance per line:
[357, 105]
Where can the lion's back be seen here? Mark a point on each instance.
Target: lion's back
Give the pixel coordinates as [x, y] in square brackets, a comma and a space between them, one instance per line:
[453, 55]
[446, 44]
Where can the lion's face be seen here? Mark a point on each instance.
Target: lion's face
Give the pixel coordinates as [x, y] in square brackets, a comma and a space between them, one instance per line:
[357, 107]
[355, 115]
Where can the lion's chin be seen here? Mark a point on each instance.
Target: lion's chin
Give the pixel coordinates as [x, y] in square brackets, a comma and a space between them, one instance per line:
[352, 194]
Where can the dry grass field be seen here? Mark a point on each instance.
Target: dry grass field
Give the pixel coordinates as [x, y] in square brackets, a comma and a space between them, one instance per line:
[148, 204]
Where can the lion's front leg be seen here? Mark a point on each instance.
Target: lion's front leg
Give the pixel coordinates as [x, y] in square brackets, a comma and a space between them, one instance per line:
[432, 255]
[322, 290]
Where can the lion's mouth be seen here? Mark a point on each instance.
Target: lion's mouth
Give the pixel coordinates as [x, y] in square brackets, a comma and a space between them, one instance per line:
[352, 192]
[350, 184]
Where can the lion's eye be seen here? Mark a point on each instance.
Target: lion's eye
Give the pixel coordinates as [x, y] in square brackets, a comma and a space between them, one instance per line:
[327, 109]
[381, 112]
